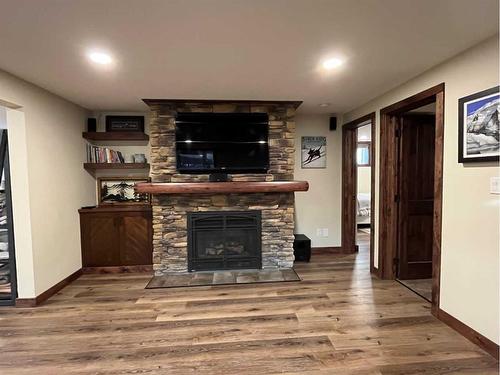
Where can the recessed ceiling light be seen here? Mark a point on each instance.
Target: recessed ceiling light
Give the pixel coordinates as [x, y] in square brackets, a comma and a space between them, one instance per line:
[323, 105]
[332, 63]
[101, 58]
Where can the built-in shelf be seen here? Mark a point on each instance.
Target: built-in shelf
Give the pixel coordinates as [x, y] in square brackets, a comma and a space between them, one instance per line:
[115, 136]
[222, 187]
[98, 166]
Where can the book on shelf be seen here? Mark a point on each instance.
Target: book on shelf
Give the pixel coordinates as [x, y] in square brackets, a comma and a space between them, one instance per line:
[97, 154]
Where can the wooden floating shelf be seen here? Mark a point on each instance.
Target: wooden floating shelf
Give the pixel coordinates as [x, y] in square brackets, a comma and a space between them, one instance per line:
[115, 136]
[97, 166]
[222, 187]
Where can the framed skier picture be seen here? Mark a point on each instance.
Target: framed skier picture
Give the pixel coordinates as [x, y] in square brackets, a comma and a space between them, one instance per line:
[313, 152]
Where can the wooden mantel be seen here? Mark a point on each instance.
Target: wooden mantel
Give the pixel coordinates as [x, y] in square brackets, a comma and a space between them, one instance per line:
[222, 187]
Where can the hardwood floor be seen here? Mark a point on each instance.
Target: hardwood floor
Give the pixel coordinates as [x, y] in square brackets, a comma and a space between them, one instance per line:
[338, 320]
[420, 286]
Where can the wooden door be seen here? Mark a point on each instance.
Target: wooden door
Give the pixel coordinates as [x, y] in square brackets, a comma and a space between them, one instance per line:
[135, 238]
[100, 240]
[349, 189]
[416, 196]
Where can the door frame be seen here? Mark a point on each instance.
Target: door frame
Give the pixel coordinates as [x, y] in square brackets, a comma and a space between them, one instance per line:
[349, 184]
[5, 166]
[388, 184]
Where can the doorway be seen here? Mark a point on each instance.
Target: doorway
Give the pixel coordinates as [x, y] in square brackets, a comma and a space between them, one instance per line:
[411, 148]
[416, 156]
[358, 186]
[8, 285]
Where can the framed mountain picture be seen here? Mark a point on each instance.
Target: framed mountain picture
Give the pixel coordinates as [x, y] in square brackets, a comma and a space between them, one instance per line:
[478, 133]
[313, 152]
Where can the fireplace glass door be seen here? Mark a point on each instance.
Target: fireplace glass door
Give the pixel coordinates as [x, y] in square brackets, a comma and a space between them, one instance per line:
[224, 240]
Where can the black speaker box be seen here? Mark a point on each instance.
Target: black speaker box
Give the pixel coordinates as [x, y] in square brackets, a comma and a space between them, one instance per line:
[91, 124]
[302, 248]
[333, 123]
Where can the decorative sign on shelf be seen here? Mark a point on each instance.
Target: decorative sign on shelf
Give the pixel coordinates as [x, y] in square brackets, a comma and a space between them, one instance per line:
[478, 133]
[313, 152]
[125, 123]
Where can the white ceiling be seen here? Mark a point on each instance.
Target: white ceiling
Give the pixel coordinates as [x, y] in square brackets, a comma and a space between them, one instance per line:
[234, 49]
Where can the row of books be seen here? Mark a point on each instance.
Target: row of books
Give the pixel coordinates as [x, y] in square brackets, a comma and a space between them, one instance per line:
[103, 155]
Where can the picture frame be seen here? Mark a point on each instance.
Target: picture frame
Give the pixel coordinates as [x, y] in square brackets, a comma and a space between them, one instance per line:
[125, 124]
[478, 127]
[119, 191]
[313, 152]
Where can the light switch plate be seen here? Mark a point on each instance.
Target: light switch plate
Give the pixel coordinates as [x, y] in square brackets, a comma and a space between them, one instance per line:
[495, 185]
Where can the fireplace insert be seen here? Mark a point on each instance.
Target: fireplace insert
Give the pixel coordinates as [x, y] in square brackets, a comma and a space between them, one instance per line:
[224, 240]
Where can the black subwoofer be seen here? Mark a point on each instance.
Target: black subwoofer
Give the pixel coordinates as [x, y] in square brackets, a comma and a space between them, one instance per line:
[302, 248]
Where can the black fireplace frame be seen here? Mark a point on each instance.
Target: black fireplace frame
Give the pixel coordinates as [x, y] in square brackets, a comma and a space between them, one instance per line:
[227, 262]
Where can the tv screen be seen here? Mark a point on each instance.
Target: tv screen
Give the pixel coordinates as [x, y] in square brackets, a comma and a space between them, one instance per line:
[222, 142]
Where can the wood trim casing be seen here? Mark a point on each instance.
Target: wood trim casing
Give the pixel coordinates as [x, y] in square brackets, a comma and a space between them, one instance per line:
[469, 333]
[346, 212]
[327, 250]
[148, 268]
[32, 302]
[418, 100]
[389, 116]
[349, 183]
[222, 187]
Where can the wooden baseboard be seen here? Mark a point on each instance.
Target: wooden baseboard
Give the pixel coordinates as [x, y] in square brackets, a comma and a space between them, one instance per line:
[327, 250]
[32, 302]
[118, 269]
[483, 342]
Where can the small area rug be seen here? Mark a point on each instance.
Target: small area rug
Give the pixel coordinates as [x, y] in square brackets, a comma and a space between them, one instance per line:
[207, 278]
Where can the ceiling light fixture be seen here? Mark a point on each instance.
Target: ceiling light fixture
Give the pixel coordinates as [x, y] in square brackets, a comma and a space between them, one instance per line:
[324, 105]
[332, 63]
[101, 58]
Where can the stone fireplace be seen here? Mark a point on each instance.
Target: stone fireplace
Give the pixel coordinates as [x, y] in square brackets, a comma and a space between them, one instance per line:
[173, 213]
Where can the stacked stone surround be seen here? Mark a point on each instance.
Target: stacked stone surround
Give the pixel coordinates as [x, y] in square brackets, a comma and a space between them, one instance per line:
[170, 211]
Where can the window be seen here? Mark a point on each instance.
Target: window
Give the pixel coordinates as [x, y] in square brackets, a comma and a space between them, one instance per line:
[363, 154]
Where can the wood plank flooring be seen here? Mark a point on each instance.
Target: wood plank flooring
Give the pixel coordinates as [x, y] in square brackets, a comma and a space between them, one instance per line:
[338, 320]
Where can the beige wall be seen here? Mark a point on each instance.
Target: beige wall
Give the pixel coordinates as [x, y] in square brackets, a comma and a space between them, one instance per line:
[471, 225]
[320, 207]
[47, 156]
[364, 180]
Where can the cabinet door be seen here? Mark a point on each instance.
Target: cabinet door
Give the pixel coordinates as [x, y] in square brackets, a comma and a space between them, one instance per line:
[136, 240]
[100, 240]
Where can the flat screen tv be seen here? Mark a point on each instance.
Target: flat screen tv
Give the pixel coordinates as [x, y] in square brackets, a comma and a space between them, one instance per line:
[222, 142]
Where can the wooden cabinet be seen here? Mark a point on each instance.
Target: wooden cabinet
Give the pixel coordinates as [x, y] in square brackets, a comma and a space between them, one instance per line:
[116, 236]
